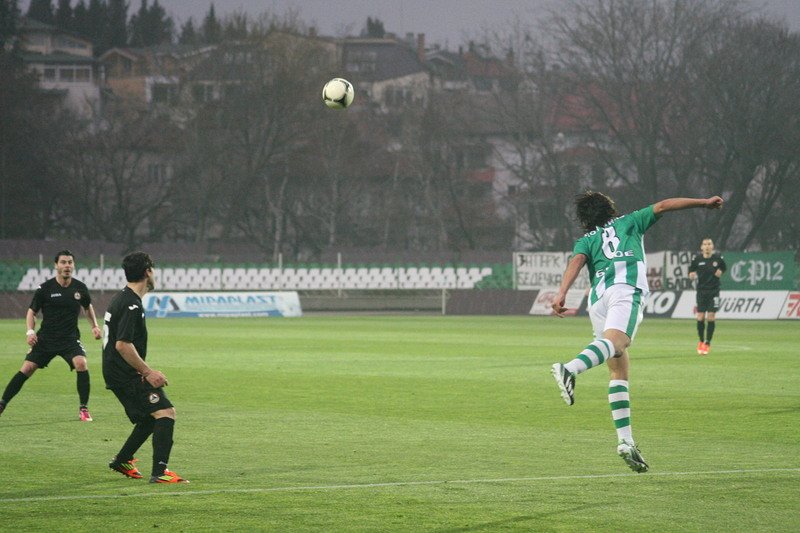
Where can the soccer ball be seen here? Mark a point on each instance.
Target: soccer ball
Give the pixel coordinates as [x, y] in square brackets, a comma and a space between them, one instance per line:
[338, 93]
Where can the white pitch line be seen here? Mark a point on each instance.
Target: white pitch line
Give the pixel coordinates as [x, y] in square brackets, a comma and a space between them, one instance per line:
[353, 486]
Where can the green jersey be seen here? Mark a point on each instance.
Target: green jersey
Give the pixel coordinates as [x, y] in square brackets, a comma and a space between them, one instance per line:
[615, 253]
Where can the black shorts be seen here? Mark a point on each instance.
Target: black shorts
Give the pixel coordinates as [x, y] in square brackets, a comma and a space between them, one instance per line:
[140, 399]
[707, 301]
[42, 355]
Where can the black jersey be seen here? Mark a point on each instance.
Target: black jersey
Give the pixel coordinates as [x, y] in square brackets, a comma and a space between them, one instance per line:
[60, 307]
[124, 321]
[705, 268]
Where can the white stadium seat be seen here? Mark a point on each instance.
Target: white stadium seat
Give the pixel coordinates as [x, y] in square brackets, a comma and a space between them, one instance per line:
[213, 278]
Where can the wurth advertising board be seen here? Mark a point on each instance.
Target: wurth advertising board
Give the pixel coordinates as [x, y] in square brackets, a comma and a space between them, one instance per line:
[737, 304]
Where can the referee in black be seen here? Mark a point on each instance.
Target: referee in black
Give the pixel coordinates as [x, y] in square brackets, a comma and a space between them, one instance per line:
[60, 299]
[138, 387]
[707, 267]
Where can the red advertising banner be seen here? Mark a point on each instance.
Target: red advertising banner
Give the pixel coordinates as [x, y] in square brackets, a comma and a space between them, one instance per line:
[791, 308]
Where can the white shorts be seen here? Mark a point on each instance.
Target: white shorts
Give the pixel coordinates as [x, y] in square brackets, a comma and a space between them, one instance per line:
[621, 307]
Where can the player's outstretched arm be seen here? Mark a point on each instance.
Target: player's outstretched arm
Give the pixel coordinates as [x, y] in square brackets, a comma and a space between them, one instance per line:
[677, 204]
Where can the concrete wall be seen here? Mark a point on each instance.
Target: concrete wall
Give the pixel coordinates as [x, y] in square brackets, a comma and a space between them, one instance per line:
[490, 302]
[14, 305]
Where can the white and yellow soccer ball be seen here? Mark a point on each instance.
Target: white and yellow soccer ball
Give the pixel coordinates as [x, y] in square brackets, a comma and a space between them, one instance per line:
[338, 93]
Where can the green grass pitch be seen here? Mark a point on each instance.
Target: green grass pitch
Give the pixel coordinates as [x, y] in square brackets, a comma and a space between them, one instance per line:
[416, 423]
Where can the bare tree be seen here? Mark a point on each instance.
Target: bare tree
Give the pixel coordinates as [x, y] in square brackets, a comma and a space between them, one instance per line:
[543, 167]
[257, 128]
[431, 198]
[119, 179]
[540, 142]
[629, 65]
[32, 128]
[340, 156]
[441, 145]
[747, 104]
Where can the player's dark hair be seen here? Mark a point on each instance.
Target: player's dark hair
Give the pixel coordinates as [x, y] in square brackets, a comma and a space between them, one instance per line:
[594, 209]
[135, 265]
[63, 252]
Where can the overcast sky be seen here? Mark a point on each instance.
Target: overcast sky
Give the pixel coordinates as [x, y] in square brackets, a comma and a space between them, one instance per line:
[447, 22]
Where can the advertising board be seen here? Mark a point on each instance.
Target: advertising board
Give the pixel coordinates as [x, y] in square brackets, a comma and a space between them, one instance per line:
[222, 304]
[542, 304]
[542, 270]
[736, 304]
[791, 308]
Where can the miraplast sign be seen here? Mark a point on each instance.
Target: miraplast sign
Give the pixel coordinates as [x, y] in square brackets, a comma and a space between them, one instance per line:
[222, 304]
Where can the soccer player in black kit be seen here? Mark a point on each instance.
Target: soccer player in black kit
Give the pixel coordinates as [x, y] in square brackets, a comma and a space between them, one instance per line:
[707, 267]
[60, 299]
[138, 387]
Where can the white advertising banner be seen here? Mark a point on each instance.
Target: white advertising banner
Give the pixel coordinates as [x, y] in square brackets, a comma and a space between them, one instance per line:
[676, 271]
[543, 304]
[543, 270]
[737, 304]
[791, 308]
[655, 270]
[222, 304]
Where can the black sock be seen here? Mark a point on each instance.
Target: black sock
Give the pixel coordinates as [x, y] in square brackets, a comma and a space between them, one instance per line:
[701, 330]
[83, 387]
[141, 432]
[162, 444]
[14, 386]
[710, 331]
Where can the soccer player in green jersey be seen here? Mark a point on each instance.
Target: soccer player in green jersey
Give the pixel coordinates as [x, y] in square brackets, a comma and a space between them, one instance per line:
[613, 251]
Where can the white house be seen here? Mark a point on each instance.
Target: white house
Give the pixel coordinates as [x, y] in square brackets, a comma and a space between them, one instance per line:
[64, 62]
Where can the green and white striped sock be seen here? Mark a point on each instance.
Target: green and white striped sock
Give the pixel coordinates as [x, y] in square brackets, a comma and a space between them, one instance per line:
[593, 355]
[620, 401]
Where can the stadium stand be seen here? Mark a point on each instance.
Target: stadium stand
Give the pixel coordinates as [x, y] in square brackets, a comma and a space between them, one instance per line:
[294, 277]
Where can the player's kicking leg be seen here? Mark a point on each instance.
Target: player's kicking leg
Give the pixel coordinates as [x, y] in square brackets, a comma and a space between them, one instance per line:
[593, 355]
[565, 381]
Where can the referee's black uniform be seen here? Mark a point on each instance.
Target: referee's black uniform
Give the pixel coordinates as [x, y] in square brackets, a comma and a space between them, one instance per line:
[707, 295]
[707, 283]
